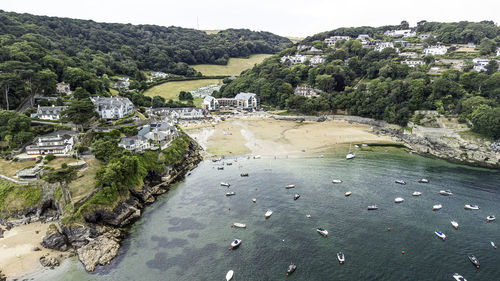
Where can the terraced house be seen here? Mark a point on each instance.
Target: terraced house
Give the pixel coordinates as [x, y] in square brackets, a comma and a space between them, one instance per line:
[113, 107]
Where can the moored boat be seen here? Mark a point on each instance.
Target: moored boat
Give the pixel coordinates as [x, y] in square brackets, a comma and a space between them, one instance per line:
[225, 184]
[288, 186]
[350, 155]
[372, 207]
[493, 244]
[239, 225]
[455, 224]
[459, 277]
[244, 174]
[291, 268]
[440, 235]
[348, 193]
[230, 193]
[268, 214]
[336, 181]
[445, 192]
[471, 207]
[229, 275]
[256, 157]
[229, 164]
[490, 218]
[400, 182]
[474, 260]
[296, 196]
[254, 200]
[340, 257]
[437, 207]
[235, 244]
[416, 193]
[398, 200]
[308, 216]
[322, 231]
[423, 181]
[220, 168]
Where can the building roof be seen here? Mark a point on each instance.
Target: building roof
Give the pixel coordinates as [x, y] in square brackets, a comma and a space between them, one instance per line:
[111, 102]
[245, 96]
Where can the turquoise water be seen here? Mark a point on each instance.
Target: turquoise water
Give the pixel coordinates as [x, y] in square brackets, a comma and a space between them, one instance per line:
[186, 234]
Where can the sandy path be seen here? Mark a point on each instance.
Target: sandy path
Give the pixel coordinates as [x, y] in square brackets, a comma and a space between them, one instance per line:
[16, 249]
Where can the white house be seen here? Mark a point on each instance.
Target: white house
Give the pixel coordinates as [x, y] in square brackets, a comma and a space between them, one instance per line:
[303, 47]
[364, 38]
[135, 143]
[182, 113]
[158, 74]
[384, 45]
[426, 35]
[57, 143]
[307, 92]
[247, 101]
[298, 58]
[210, 103]
[113, 107]
[412, 55]
[330, 41]
[48, 112]
[480, 64]
[498, 52]
[413, 63]
[401, 33]
[317, 60]
[123, 83]
[63, 88]
[435, 50]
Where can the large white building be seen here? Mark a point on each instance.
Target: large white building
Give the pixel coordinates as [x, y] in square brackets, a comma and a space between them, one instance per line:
[307, 92]
[384, 45]
[330, 41]
[150, 136]
[298, 58]
[413, 63]
[210, 103]
[48, 112]
[182, 113]
[113, 107]
[435, 50]
[316, 60]
[57, 143]
[401, 33]
[247, 101]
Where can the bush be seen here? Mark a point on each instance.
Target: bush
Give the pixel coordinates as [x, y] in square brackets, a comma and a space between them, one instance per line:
[49, 157]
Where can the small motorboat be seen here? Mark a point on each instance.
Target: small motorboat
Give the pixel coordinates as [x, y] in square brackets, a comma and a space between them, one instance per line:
[423, 181]
[440, 235]
[490, 218]
[399, 200]
[336, 181]
[356, 146]
[229, 163]
[493, 244]
[244, 174]
[455, 224]
[291, 268]
[340, 257]
[445, 192]
[230, 193]
[348, 193]
[308, 216]
[400, 182]
[290, 186]
[437, 207]
[239, 225]
[256, 157]
[322, 231]
[459, 277]
[254, 200]
[220, 168]
[416, 193]
[471, 207]
[229, 275]
[225, 184]
[296, 196]
[474, 261]
[364, 145]
[350, 155]
[268, 214]
[235, 244]
[372, 207]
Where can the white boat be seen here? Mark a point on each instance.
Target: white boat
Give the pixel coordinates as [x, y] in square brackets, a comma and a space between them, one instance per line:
[268, 214]
[230, 193]
[372, 207]
[455, 224]
[240, 225]
[364, 144]
[296, 196]
[256, 157]
[490, 218]
[348, 193]
[225, 184]
[445, 192]
[440, 235]
[437, 207]
[350, 155]
[471, 207]
[341, 257]
[416, 193]
[399, 200]
[288, 186]
[423, 181]
[308, 216]
[493, 244]
[254, 200]
[229, 275]
[236, 243]
[356, 146]
[400, 182]
[336, 181]
[322, 231]
[459, 277]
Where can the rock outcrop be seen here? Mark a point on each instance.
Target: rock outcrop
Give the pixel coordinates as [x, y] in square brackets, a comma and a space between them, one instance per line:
[54, 239]
[100, 251]
[49, 261]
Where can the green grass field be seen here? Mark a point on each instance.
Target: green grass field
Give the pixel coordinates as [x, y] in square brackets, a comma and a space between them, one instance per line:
[234, 67]
[170, 90]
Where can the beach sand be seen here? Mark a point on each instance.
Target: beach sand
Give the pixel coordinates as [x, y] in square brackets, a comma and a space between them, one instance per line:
[16, 249]
[270, 137]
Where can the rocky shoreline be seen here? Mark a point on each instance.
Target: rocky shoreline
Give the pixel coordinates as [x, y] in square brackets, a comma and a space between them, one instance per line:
[98, 242]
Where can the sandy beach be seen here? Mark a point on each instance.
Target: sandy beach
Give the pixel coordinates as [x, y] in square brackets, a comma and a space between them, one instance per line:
[270, 137]
[16, 249]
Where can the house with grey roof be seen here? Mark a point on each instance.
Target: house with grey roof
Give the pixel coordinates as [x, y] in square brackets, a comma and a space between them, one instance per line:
[57, 143]
[48, 112]
[113, 107]
[135, 143]
[210, 103]
[181, 113]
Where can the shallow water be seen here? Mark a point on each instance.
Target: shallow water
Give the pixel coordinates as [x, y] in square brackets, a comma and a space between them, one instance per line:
[185, 235]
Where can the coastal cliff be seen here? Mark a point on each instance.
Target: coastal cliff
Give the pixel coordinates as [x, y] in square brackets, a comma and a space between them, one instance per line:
[98, 242]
